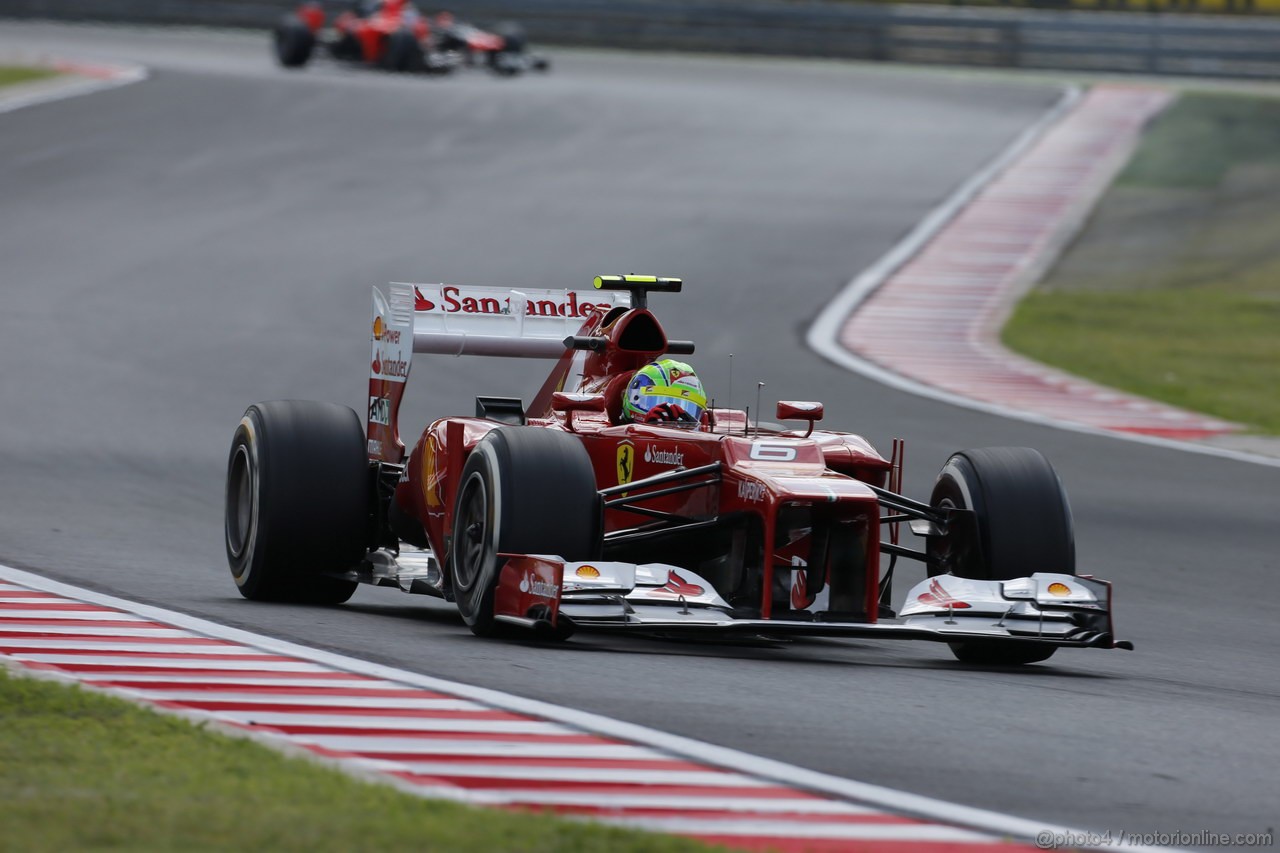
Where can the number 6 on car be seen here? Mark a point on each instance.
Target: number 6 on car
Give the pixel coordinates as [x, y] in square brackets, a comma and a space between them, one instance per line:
[772, 451]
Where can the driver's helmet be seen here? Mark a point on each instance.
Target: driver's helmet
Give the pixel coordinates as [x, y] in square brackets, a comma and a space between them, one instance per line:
[665, 390]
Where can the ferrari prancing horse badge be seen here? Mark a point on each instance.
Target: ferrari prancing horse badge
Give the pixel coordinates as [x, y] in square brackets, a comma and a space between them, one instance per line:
[626, 463]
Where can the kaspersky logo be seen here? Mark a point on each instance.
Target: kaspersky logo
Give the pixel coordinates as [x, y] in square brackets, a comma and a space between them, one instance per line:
[626, 462]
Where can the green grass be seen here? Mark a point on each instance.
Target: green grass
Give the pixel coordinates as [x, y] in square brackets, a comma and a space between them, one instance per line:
[10, 74]
[81, 771]
[1202, 137]
[1172, 290]
[1197, 348]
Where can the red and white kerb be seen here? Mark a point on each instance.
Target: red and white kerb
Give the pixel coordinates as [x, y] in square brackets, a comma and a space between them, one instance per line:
[435, 742]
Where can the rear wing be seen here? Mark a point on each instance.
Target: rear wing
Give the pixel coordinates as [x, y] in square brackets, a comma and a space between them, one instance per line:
[447, 319]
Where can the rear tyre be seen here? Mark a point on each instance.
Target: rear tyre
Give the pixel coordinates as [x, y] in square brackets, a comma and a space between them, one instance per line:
[523, 490]
[1021, 524]
[404, 52]
[297, 501]
[293, 43]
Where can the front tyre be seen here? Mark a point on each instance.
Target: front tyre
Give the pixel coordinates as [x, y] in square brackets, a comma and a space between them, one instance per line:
[1019, 523]
[293, 42]
[523, 490]
[297, 501]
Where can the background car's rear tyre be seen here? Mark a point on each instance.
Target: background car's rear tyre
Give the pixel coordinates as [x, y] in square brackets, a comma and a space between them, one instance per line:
[404, 52]
[297, 501]
[523, 490]
[293, 42]
[1022, 524]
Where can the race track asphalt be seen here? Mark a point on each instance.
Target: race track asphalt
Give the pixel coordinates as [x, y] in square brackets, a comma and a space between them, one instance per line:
[176, 249]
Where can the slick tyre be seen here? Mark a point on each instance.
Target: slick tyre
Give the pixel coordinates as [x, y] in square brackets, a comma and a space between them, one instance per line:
[404, 53]
[297, 501]
[1020, 523]
[523, 490]
[293, 43]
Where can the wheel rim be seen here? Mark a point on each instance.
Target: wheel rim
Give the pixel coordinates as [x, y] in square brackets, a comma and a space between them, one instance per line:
[471, 543]
[240, 514]
[944, 548]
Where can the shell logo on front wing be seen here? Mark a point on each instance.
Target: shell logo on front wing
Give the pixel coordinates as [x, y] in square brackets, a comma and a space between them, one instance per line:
[937, 596]
[587, 572]
[678, 586]
[1059, 589]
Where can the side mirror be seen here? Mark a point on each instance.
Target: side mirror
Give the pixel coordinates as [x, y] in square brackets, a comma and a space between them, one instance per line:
[567, 404]
[798, 410]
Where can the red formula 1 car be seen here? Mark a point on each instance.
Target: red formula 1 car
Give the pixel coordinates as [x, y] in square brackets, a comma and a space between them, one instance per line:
[395, 36]
[562, 514]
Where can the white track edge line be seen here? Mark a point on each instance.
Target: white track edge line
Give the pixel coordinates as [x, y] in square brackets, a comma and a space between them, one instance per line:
[811, 780]
[823, 334]
[125, 75]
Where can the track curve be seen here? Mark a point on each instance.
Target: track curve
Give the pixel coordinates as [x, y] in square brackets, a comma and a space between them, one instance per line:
[179, 248]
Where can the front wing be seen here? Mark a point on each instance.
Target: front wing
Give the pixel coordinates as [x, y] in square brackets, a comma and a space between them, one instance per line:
[1060, 610]
[547, 594]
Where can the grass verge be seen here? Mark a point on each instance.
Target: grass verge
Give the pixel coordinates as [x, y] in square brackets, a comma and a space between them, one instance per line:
[11, 74]
[1172, 290]
[81, 771]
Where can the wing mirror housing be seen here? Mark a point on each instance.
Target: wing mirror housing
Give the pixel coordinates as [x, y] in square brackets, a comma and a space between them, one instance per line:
[799, 410]
[567, 404]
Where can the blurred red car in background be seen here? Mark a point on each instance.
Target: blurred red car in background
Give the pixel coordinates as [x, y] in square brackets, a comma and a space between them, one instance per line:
[393, 35]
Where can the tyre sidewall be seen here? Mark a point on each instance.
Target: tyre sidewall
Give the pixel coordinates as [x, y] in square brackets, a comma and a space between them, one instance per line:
[1021, 515]
[955, 488]
[244, 554]
[309, 493]
[473, 591]
[541, 499]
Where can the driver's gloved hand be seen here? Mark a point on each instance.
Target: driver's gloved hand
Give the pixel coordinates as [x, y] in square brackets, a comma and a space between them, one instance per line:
[667, 413]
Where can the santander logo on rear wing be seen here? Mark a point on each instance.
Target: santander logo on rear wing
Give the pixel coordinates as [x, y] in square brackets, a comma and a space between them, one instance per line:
[449, 319]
